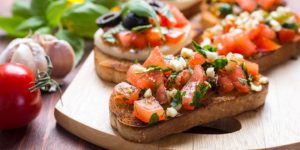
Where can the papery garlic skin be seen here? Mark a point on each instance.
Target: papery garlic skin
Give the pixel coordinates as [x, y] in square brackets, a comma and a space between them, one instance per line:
[60, 52]
[25, 51]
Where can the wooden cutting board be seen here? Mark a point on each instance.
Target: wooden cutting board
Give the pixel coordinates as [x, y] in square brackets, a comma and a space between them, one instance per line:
[84, 112]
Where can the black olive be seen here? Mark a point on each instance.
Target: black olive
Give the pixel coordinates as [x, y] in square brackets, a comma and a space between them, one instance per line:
[225, 9]
[131, 20]
[156, 5]
[109, 19]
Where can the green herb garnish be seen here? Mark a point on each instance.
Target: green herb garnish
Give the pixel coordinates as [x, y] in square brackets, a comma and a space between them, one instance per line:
[242, 81]
[199, 93]
[225, 9]
[210, 48]
[248, 76]
[141, 28]
[203, 50]
[220, 63]
[154, 119]
[153, 68]
[293, 26]
[178, 98]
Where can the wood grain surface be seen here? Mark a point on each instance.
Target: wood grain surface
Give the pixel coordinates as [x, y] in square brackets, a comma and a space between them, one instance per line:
[43, 132]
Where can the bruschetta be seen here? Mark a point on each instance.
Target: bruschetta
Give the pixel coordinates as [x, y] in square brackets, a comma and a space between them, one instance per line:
[267, 38]
[170, 94]
[129, 35]
[212, 11]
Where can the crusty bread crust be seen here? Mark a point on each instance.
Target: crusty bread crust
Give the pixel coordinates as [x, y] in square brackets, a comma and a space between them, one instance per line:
[110, 68]
[215, 107]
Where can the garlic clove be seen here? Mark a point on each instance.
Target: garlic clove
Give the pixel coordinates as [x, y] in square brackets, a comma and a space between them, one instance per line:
[24, 56]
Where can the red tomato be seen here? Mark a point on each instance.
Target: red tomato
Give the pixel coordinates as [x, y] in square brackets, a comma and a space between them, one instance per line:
[252, 68]
[153, 37]
[187, 99]
[198, 74]
[267, 4]
[18, 106]
[161, 94]
[265, 45]
[225, 44]
[126, 92]
[125, 38]
[287, 35]
[238, 79]
[181, 21]
[174, 36]
[182, 78]
[137, 78]
[247, 5]
[145, 108]
[165, 22]
[224, 82]
[139, 40]
[262, 30]
[196, 59]
[244, 45]
[156, 58]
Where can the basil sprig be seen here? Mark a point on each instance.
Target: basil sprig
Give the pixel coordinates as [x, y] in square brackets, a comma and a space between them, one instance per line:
[199, 93]
[203, 50]
[154, 119]
[178, 98]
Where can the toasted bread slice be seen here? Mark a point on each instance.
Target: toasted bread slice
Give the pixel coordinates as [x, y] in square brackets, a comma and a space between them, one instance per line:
[111, 68]
[215, 106]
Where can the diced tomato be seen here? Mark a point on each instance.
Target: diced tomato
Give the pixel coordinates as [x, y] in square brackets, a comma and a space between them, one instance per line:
[165, 22]
[265, 45]
[156, 58]
[161, 94]
[124, 38]
[196, 59]
[224, 82]
[145, 108]
[174, 36]
[252, 68]
[182, 78]
[181, 21]
[187, 99]
[225, 44]
[247, 5]
[243, 45]
[267, 4]
[153, 37]
[144, 80]
[198, 74]
[239, 80]
[286, 35]
[262, 30]
[227, 28]
[254, 33]
[126, 92]
[139, 40]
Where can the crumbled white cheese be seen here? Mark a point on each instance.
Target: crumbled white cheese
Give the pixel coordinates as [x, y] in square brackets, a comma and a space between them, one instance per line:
[217, 29]
[186, 52]
[251, 24]
[183, 62]
[210, 72]
[283, 10]
[211, 56]
[256, 88]
[148, 93]
[258, 15]
[206, 41]
[177, 65]
[236, 9]
[171, 112]
[275, 25]
[263, 80]
[171, 93]
[234, 56]
[230, 17]
[291, 19]
[140, 69]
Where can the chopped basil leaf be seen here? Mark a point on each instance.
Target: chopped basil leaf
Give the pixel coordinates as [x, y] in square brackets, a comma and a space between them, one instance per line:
[109, 35]
[141, 28]
[198, 48]
[165, 11]
[154, 119]
[249, 79]
[293, 26]
[210, 48]
[172, 79]
[191, 70]
[199, 93]
[242, 81]
[136, 61]
[153, 68]
[177, 98]
[220, 63]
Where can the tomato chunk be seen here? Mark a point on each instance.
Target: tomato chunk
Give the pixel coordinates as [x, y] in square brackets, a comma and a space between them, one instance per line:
[145, 108]
[198, 74]
[187, 99]
[247, 5]
[139, 40]
[124, 38]
[252, 68]
[266, 45]
[181, 21]
[153, 37]
[244, 45]
[156, 58]
[165, 22]
[174, 36]
[182, 78]
[267, 4]
[286, 35]
[126, 92]
[137, 77]
[239, 80]
[196, 59]
[224, 82]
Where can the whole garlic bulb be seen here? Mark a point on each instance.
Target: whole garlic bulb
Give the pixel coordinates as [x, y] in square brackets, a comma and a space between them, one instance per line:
[25, 51]
[60, 52]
